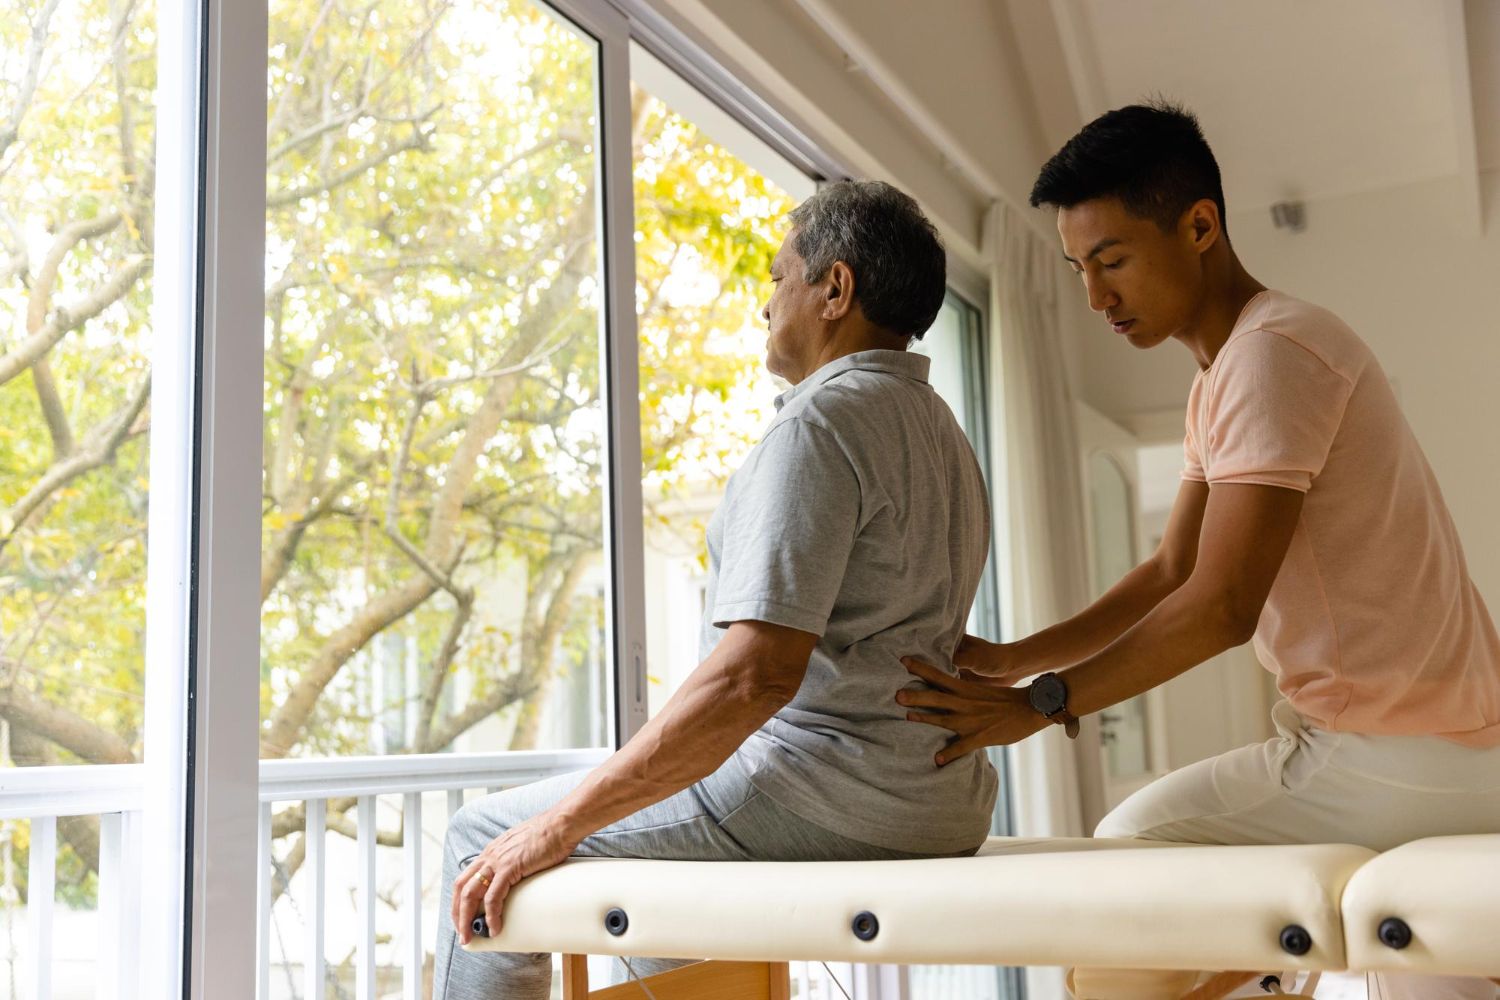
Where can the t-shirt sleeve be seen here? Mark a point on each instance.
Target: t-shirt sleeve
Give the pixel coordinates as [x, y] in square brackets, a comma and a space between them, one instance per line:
[1273, 413]
[788, 531]
[1192, 458]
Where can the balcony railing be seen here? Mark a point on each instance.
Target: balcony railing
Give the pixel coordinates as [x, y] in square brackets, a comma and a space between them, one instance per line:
[115, 794]
[44, 795]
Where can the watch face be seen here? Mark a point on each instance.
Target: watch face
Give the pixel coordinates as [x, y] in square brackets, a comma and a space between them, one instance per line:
[1048, 694]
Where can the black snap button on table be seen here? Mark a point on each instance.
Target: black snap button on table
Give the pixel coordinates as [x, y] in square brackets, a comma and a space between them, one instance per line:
[1395, 933]
[1295, 940]
[615, 921]
[866, 926]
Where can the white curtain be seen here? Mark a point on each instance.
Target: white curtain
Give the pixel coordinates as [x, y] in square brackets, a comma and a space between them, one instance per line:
[1040, 498]
[1039, 509]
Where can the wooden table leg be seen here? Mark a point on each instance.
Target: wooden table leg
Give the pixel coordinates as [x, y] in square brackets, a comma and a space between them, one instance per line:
[1220, 985]
[779, 980]
[575, 977]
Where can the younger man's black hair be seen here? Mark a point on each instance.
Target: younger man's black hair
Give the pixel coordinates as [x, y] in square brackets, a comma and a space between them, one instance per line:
[1153, 157]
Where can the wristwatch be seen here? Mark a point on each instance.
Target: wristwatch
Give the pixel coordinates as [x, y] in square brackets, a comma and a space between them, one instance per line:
[1048, 694]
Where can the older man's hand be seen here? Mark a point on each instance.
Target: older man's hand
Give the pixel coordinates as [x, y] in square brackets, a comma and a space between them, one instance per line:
[524, 849]
[980, 712]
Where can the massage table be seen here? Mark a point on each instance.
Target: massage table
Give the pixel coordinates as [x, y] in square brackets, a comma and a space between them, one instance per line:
[1431, 906]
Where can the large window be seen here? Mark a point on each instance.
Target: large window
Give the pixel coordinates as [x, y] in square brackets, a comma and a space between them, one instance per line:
[506, 352]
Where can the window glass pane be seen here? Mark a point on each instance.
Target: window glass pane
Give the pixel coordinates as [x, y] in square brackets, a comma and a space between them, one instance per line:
[946, 343]
[433, 573]
[77, 146]
[77, 127]
[710, 210]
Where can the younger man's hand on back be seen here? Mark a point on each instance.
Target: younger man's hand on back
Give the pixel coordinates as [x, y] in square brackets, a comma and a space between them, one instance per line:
[981, 660]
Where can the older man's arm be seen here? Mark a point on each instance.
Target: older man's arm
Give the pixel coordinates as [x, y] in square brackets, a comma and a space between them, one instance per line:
[754, 670]
[752, 673]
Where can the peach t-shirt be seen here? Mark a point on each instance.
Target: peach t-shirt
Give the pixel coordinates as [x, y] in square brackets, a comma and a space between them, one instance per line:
[1373, 625]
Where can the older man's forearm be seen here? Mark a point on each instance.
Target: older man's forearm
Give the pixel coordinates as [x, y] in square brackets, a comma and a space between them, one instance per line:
[718, 707]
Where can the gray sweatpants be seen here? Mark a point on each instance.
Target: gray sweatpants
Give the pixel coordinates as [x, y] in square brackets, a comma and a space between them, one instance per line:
[721, 818]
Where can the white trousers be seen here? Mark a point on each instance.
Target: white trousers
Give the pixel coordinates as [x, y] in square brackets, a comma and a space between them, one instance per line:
[1309, 785]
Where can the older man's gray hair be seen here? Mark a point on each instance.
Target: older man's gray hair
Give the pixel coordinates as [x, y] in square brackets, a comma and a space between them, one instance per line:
[900, 270]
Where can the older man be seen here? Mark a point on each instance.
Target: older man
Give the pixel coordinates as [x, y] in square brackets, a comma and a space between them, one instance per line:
[853, 536]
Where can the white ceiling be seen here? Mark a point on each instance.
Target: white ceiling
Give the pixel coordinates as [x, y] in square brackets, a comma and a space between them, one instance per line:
[1303, 98]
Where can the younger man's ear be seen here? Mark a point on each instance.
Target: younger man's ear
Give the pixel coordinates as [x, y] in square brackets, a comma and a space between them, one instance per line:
[1204, 219]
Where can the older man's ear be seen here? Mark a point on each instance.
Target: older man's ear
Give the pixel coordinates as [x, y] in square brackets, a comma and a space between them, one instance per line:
[840, 292]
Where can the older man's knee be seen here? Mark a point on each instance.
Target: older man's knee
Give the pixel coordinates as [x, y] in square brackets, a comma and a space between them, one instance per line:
[473, 826]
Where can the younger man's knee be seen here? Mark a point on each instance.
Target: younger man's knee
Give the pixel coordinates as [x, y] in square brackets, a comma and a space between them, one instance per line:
[1120, 824]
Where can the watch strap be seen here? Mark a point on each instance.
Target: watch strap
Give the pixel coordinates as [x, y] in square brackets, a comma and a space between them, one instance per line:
[1068, 721]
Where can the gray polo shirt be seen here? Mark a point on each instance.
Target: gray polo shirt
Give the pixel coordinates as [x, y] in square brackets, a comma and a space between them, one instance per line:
[861, 517]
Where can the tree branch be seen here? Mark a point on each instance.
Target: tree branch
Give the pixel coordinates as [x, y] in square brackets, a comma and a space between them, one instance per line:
[284, 728]
[121, 65]
[20, 260]
[513, 688]
[342, 120]
[71, 732]
[277, 557]
[437, 672]
[417, 140]
[12, 128]
[72, 317]
[277, 115]
[540, 641]
[52, 409]
[99, 448]
[392, 526]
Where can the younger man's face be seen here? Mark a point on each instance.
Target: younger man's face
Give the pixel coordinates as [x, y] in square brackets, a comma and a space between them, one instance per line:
[1147, 283]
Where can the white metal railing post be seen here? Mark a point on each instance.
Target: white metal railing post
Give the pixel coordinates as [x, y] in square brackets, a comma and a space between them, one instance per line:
[263, 904]
[112, 916]
[411, 900]
[364, 962]
[41, 886]
[132, 900]
[314, 863]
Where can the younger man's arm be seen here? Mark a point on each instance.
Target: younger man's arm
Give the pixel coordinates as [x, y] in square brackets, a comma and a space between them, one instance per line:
[1111, 616]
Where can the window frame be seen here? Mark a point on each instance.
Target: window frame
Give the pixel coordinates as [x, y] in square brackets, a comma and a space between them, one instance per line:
[202, 620]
